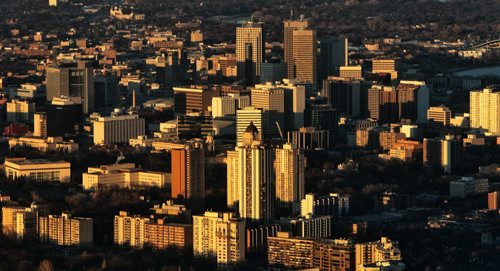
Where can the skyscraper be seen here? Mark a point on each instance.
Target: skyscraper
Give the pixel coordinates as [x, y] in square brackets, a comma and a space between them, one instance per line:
[333, 55]
[383, 104]
[75, 80]
[246, 116]
[413, 100]
[188, 175]
[343, 94]
[106, 93]
[249, 51]
[272, 101]
[305, 56]
[289, 27]
[220, 236]
[485, 109]
[289, 166]
[250, 178]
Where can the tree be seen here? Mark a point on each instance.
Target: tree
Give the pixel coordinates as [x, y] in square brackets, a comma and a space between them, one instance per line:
[46, 265]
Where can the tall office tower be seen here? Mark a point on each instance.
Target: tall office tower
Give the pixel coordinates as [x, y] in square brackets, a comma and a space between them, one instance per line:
[485, 109]
[305, 56]
[272, 101]
[375, 252]
[383, 104]
[333, 204]
[385, 65]
[75, 80]
[188, 175]
[446, 153]
[246, 116]
[289, 167]
[272, 71]
[118, 129]
[288, 28]
[63, 117]
[343, 94]
[129, 230]
[413, 100]
[322, 117]
[65, 230]
[294, 102]
[20, 111]
[249, 51]
[226, 106]
[106, 93]
[193, 99]
[40, 125]
[494, 200]
[220, 236]
[333, 55]
[20, 222]
[439, 116]
[250, 182]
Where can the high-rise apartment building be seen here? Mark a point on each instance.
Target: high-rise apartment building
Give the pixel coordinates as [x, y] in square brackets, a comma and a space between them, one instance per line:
[65, 230]
[249, 51]
[305, 253]
[75, 80]
[40, 125]
[376, 252]
[439, 116]
[118, 129]
[485, 109]
[188, 174]
[20, 222]
[129, 230]
[305, 56]
[20, 111]
[288, 27]
[221, 236]
[289, 167]
[250, 178]
[248, 115]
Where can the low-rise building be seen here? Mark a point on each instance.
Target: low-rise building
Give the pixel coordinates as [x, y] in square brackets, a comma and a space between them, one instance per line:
[466, 186]
[375, 252]
[123, 175]
[37, 169]
[44, 144]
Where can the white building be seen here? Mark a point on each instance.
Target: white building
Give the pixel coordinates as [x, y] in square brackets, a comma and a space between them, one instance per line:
[37, 169]
[122, 175]
[118, 129]
[221, 236]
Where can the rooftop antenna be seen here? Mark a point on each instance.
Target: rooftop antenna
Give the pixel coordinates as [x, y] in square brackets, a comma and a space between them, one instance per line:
[291, 14]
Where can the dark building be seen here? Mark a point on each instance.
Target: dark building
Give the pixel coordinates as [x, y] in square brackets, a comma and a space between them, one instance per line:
[343, 94]
[383, 104]
[63, 118]
[106, 93]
